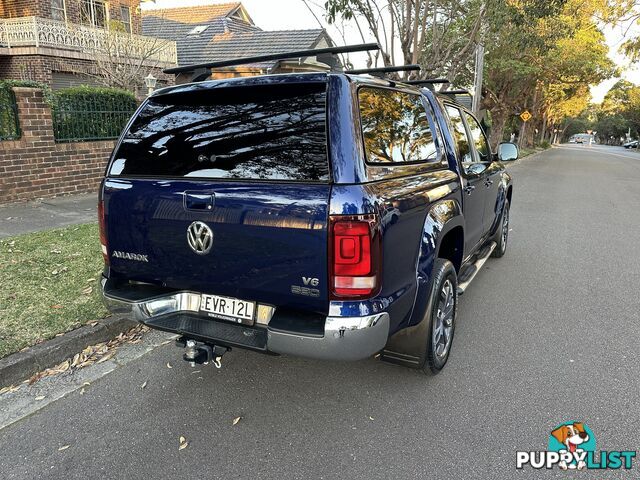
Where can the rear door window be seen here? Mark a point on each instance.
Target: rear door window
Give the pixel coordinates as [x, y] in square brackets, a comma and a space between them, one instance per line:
[262, 132]
[479, 139]
[396, 128]
[460, 136]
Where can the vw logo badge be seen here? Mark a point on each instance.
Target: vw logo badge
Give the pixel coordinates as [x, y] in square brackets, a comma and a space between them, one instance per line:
[200, 237]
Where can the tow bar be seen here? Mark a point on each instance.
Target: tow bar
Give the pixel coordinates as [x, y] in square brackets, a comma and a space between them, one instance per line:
[201, 353]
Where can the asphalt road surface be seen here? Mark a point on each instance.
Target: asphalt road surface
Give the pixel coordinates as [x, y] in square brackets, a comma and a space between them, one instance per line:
[547, 334]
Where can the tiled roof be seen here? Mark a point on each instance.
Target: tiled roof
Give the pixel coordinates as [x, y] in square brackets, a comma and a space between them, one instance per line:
[225, 37]
[200, 14]
[249, 44]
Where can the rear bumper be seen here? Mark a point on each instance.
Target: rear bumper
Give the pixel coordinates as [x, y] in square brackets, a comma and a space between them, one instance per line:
[344, 338]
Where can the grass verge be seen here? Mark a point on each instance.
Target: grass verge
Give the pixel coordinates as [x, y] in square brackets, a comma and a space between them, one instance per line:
[49, 284]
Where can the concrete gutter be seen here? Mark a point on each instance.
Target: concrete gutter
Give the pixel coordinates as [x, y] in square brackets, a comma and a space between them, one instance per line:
[21, 365]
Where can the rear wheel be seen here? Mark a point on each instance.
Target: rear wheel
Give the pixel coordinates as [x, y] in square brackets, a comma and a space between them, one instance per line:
[444, 303]
[502, 235]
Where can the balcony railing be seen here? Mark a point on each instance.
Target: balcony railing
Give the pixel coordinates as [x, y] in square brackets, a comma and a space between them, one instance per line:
[42, 32]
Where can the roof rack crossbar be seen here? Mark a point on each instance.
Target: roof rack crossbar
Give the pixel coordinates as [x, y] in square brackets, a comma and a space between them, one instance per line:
[428, 81]
[402, 68]
[276, 56]
[456, 92]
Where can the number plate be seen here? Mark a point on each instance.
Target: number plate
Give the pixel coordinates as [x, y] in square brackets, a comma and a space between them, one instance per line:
[226, 308]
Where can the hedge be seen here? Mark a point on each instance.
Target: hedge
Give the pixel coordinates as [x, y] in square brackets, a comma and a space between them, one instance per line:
[91, 113]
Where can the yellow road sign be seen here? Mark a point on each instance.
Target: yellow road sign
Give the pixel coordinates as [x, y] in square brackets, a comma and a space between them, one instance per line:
[525, 116]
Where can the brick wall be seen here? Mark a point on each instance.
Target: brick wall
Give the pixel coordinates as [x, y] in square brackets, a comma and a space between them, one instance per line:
[37, 167]
[41, 67]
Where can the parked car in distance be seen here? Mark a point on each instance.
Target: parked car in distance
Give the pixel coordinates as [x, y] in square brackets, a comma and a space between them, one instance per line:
[631, 144]
[324, 215]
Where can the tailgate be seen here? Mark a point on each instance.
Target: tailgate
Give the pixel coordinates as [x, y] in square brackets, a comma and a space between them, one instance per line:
[269, 241]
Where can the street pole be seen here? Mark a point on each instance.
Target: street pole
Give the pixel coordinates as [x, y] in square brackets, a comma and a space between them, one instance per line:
[477, 81]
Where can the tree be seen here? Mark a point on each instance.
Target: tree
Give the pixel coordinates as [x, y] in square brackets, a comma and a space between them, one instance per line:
[123, 60]
[439, 35]
[541, 57]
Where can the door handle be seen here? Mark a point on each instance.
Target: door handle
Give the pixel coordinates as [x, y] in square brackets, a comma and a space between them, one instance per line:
[469, 188]
[198, 201]
[488, 182]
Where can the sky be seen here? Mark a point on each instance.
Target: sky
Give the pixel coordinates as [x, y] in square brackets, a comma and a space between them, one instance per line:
[294, 15]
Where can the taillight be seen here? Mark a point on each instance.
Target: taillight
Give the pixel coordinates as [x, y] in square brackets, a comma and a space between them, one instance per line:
[355, 250]
[103, 232]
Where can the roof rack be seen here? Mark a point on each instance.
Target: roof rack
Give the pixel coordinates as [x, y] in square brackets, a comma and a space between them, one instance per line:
[428, 81]
[274, 56]
[456, 92]
[379, 70]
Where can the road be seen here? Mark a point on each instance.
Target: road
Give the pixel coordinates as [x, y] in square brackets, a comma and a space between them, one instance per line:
[547, 334]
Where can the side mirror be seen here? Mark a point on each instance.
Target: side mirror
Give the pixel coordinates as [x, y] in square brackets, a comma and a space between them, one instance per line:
[507, 151]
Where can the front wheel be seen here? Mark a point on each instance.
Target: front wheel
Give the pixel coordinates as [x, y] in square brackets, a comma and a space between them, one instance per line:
[502, 233]
[443, 303]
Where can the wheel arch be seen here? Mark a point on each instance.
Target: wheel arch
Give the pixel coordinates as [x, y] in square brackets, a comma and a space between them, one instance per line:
[443, 231]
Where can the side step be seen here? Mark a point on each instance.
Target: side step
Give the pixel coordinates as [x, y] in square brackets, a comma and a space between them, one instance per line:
[470, 271]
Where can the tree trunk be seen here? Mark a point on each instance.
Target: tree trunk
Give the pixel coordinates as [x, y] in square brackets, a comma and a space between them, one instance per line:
[499, 120]
[543, 132]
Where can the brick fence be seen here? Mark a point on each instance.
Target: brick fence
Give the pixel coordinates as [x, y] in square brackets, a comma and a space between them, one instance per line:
[35, 166]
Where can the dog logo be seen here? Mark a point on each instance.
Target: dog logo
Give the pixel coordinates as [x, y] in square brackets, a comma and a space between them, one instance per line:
[572, 447]
[574, 439]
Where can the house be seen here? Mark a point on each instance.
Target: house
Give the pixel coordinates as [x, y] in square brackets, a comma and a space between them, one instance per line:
[225, 31]
[71, 42]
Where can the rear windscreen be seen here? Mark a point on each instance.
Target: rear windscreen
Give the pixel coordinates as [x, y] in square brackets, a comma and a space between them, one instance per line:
[265, 132]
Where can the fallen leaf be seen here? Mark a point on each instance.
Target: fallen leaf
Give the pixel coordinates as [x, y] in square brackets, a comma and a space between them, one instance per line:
[236, 420]
[93, 324]
[56, 251]
[87, 290]
[9, 389]
[169, 365]
[183, 443]
[196, 371]
[86, 383]
[56, 306]
[82, 391]
[91, 280]
[40, 397]
[143, 385]
[106, 357]
[63, 448]
[371, 418]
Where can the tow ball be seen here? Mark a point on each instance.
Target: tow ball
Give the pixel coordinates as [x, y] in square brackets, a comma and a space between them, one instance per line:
[201, 353]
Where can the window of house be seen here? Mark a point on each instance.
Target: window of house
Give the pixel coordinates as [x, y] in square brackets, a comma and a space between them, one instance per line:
[395, 127]
[125, 18]
[58, 10]
[94, 13]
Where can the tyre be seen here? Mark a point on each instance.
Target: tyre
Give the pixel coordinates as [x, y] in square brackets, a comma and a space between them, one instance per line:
[444, 304]
[502, 235]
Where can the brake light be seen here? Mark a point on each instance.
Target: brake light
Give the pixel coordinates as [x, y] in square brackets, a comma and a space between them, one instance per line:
[355, 256]
[103, 232]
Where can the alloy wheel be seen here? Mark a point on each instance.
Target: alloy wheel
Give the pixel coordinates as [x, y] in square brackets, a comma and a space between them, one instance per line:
[443, 325]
